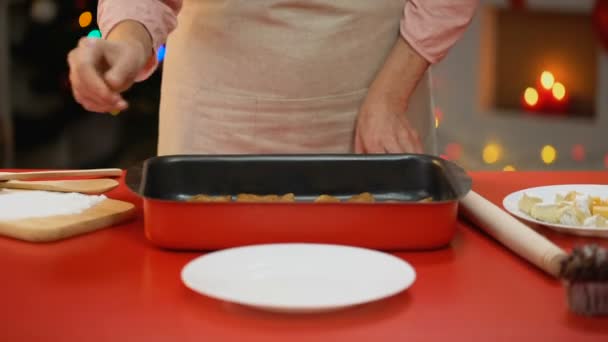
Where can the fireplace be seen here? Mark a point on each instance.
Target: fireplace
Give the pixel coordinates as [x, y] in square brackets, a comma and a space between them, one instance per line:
[541, 62]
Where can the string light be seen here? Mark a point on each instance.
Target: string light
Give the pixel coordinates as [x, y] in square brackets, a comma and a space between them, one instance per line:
[559, 91]
[531, 96]
[491, 153]
[547, 79]
[94, 34]
[548, 154]
[160, 55]
[509, 168]
[85, 19]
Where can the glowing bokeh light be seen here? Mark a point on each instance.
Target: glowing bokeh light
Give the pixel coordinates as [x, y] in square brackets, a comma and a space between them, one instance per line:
[85, 19]
[547, 79]
[578, 152]
[548, 154]
[453, 151]
[94, 34]
[491, 153]
[509, 168]
[559, 91]
[531, 96]
[160, 55]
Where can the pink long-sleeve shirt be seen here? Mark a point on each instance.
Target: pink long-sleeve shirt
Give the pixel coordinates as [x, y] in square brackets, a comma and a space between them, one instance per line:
[431, 27]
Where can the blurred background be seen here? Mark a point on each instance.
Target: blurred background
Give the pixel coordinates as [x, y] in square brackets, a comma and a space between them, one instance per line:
[525, 89]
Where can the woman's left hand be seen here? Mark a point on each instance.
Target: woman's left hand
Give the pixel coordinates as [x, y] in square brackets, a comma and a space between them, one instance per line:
[382, 124]
[384, 128]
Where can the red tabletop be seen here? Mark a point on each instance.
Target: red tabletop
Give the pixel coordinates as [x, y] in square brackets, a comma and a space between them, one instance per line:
[112, 285]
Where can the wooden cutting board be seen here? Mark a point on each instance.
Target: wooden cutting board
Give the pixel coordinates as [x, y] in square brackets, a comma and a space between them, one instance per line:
[46, 229]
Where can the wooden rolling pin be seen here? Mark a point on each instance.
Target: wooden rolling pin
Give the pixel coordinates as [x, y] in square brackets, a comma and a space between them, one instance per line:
[5, 176]
[515, 235]
[85, 186]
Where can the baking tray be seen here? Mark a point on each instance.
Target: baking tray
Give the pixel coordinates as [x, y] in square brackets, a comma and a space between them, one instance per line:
[166, 183]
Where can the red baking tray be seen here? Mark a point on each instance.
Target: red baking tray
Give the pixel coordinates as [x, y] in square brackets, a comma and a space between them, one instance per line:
[166, 183]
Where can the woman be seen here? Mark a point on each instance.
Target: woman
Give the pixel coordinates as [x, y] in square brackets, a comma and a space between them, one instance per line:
[276, 76]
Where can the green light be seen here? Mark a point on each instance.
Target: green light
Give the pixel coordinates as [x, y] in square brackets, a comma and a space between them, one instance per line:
[94, 34]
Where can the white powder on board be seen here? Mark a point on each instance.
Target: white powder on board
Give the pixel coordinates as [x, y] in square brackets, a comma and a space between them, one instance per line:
[17, 205]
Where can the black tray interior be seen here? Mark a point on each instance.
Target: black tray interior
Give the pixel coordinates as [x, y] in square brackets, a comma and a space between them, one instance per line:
[387, 177]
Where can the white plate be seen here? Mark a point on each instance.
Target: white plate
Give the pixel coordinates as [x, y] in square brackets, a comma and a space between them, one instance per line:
[298, 277]
[547, 193]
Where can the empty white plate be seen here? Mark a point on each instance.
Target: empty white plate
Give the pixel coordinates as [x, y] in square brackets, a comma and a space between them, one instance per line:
[547, 193]
[298, 277]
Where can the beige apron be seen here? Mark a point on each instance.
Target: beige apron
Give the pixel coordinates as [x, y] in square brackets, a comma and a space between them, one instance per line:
[277, 76]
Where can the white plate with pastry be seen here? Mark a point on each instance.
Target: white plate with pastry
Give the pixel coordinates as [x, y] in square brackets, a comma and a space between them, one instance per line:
[580, 209]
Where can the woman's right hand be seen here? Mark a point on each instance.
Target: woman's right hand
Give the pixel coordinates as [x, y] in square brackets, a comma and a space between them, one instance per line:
[100, 70]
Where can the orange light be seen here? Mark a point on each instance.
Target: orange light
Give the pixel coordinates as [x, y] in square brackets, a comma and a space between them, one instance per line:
[547, 79]
[85, 19]
[531, 96]
[559, 91]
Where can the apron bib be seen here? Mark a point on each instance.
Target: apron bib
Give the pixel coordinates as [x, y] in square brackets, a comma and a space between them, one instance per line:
[277, 76]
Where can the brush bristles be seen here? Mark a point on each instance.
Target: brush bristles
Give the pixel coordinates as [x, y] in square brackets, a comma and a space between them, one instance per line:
[585, 272]
[588, 298]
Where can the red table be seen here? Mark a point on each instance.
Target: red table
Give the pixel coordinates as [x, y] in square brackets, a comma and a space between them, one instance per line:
[112, 285]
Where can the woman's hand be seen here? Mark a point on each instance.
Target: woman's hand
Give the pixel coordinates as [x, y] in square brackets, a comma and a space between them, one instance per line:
[382, 125]
[384, 128]
[102, 69]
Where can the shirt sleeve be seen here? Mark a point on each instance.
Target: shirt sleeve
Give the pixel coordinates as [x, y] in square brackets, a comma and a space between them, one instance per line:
[159, 17]
[432, 27]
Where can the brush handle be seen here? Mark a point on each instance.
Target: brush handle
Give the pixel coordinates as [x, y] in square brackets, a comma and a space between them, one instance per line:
[4, 176]
[515, 235]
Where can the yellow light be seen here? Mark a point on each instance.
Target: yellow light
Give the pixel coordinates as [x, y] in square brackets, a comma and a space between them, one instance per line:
[436, 122]
[547, 79]
[531, 96]
[548, 154]
[559, 91]
[491, 153]
[86, 18]
[115, 112]
[509, 168]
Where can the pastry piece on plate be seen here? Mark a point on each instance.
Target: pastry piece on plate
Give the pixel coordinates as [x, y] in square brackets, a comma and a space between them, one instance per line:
[595, 221]
[569, 197]
[546, 212]
[583, 203]
[527, 202]
[571, 215]
[601, 210]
